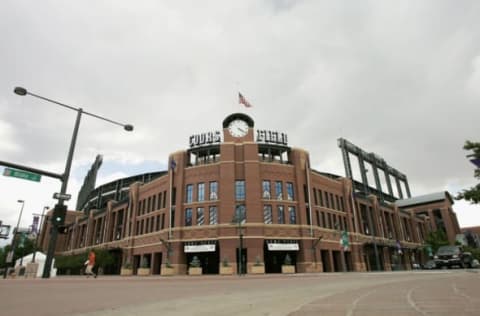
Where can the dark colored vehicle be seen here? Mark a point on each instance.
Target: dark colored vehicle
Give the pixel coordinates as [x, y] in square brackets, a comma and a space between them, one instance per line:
[449, 256]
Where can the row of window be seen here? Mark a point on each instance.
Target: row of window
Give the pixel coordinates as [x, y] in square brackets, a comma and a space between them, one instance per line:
[280, 215]
[212, 193]
[152, 203]
[200, 212]
[329, 200]
[331, 221]
[150, 224]
[278, 194]
[240, 194]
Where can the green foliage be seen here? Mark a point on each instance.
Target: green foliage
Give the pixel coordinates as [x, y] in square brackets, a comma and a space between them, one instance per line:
[127, 264]
[28, 248]
[288, 260]
[472, 194]
[436, 239]
[225, 262]
[475, 252]
[71, 262]
[103, 258]
[144, 263]
[195, 262]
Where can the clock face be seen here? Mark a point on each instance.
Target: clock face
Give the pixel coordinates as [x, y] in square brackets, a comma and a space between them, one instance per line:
[238, 128]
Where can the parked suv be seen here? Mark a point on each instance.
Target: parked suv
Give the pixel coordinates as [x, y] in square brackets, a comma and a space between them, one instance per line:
[449, 256]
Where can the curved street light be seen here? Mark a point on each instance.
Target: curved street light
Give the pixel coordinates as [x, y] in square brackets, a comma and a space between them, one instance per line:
[60, 209]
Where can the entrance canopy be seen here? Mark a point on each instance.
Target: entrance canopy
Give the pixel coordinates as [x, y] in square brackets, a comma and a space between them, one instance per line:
[199, 247]
[283, 246]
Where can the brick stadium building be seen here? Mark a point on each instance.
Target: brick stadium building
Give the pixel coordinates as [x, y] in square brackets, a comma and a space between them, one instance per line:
[245, 188]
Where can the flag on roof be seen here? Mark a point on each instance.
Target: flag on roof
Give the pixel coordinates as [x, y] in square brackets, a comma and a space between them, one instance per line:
[242, 100]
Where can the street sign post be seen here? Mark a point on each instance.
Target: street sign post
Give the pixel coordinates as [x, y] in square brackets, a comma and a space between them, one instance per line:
[64, 197]
[26, 175]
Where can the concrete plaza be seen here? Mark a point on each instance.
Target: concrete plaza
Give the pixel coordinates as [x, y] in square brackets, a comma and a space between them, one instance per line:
[446, 292]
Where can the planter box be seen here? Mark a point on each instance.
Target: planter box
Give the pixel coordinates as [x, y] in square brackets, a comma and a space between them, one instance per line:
[143, 271]
[288, 269]
[226, 270]
[167, 271]
[126, 271]
[258, 269]
[194, 271]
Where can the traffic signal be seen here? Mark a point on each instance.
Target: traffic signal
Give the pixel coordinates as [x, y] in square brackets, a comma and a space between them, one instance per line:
[59, 213]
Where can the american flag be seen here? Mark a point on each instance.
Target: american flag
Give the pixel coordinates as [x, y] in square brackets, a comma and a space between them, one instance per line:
[242, 100]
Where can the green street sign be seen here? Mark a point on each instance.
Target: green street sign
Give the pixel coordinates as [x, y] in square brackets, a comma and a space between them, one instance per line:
[9, 172]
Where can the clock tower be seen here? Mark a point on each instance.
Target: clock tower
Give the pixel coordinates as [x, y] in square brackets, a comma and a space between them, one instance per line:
[238, 128]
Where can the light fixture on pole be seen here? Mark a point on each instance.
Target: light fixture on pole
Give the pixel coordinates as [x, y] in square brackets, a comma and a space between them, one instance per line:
[60, 208]
[38, 233]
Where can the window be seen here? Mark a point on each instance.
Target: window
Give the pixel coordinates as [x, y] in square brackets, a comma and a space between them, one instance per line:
[315, 196]
[189, 193]
[320, 196]
[279, 190]
[240, 190]
[324, 222]
[240, 213]
[332, 203]
[281, 214]
[267, 214]
[338, 202]
[342, 205]
[318, 219]
[164, 199]
[154, 200]
[327, 203]
[163, 221]
[159, 201]
[201, 192]
[290, 195]
[200, 216]
[292, 214]
[213, 190]
[213, 215]
[266, 193]
[188, 217]
[149, 203]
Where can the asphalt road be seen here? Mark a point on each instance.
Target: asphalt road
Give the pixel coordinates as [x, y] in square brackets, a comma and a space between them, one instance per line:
[451, 292]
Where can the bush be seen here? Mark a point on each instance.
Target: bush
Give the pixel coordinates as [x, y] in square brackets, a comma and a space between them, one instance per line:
[225, 262]
[195, 262]
[258, 262]
[288, 260]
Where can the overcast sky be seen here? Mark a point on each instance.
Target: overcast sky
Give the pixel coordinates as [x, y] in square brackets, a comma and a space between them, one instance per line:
[398, 78]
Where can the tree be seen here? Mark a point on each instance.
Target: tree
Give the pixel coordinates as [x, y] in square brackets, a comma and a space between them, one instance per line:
[436, 239]
[472, 194]
[22, 249]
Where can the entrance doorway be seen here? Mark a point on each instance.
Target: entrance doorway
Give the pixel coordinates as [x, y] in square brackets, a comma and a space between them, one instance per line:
[326, 261]
[157, 263]
[209, 261]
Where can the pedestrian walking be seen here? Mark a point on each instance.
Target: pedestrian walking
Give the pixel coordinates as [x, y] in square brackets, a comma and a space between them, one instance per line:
[90, 263]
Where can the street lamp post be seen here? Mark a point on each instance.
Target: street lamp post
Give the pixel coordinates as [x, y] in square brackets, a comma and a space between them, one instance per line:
[14, 244]
[237, 219]
[38, 233]
[60, 205]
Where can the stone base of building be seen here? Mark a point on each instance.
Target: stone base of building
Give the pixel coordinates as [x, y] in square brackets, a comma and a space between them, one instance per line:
[257, 269]
[288, 269]
[126, 271]
[194, 271]
[143, 271]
